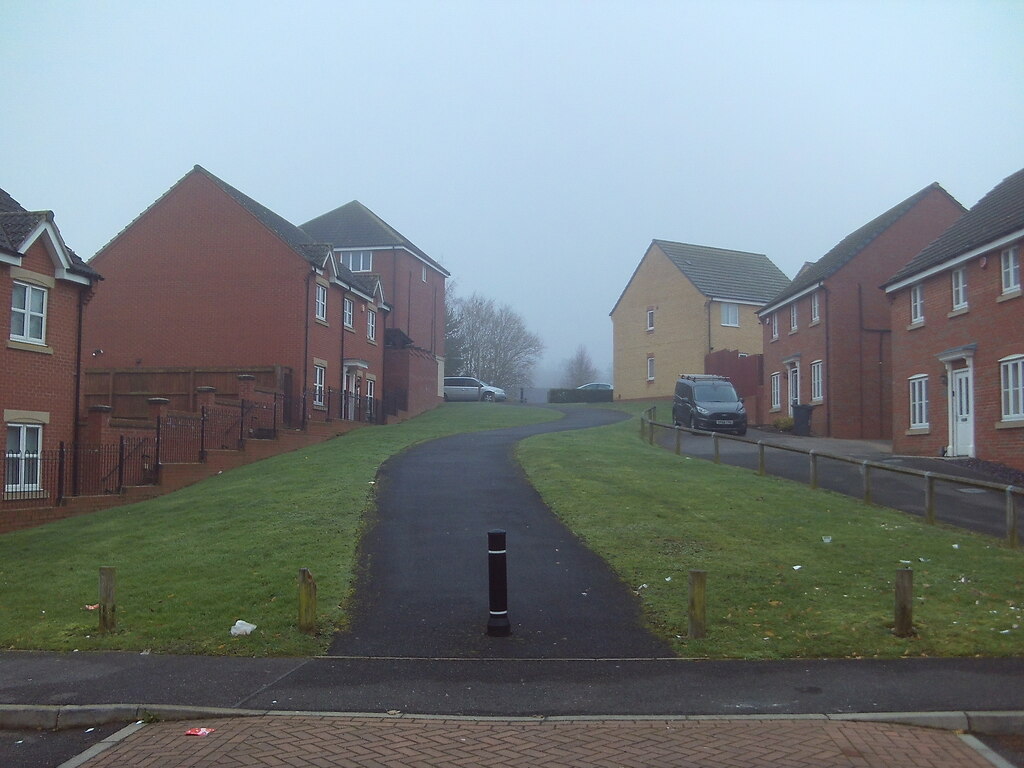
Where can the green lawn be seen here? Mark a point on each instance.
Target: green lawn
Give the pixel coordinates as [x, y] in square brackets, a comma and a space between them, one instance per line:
[775, 588]
[191, 563]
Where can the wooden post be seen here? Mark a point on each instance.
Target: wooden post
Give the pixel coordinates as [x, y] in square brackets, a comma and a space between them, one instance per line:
[698, 604]
[814, 469]
[760, 458]
[929, 498]
[718, 455]
[307, 601]
[904, 616]
[679, 440]
[866, 469]
[108, 604]
[1011, 518]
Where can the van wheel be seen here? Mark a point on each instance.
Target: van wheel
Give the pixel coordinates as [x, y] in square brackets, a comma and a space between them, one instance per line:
[488, 397]
[741, 432]
[689, 421]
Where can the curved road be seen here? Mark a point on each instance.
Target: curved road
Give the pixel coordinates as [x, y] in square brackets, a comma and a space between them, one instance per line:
[423, 590]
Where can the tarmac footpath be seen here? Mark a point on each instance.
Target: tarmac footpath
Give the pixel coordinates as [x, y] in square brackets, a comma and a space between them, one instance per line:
[347, 740]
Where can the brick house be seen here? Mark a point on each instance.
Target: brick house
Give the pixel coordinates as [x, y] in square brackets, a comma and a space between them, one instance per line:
[827, 335]
[958, 337]
[414, 286]
[207, 277]
[682, 303]
[45, 285]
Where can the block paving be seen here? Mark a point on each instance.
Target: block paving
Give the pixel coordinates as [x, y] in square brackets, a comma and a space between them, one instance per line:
[326, 741]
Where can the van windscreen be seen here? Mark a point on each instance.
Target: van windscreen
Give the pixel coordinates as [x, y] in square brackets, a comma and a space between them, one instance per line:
[714, 393]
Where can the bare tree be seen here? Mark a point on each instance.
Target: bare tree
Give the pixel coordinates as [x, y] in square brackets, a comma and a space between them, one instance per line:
[494, 343]
[579, 369]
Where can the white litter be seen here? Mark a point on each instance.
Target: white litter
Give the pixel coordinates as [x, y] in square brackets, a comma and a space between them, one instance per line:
[242, 628]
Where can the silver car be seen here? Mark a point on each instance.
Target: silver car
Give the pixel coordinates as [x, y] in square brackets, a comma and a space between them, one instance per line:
[468, 388]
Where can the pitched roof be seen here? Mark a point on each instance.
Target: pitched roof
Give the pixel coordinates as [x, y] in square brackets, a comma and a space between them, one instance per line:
[853, 244]
[997, 214]
[353, 225]
[724, 274]
[16, 224]
[8, 204]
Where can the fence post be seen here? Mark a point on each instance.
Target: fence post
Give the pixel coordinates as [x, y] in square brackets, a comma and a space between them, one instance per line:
[202, 434]
[108, 604]
[718, 455]
[241, 423]
[1011, 518]
[679, 440]
[814, 469]
[307, 601]
[866, 469]
[760, 458]
[929, 498]
[120, 464]
[698, 605]
[903, 625]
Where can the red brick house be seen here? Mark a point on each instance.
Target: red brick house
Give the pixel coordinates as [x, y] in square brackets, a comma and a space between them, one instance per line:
[413, 285]
[958, 337]
[827, 336]
[45, 285]
[207, 277]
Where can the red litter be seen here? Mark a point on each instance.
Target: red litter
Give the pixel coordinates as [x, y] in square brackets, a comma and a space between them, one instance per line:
[199, 731]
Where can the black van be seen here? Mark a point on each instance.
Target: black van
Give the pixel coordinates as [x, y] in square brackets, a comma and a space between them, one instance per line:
[709, 403]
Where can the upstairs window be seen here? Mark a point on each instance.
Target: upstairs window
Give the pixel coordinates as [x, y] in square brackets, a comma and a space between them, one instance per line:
[775, 325]
[1011, 269]
[321, 302]
[348, 313]
[650, 319]
[815, 308]
[959, 289]
[916, 304]
[792, 317]
[650, 369]
[731, 315]
[371, 325]
[358, 261]
[28, 313]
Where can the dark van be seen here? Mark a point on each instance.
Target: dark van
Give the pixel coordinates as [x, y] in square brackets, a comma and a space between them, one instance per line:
[709, 403]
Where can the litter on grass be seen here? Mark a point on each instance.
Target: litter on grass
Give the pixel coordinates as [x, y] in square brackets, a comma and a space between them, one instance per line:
[242, 628]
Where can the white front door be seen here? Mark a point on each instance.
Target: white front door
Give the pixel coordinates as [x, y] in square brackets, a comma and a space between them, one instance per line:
[961, 413]
[794, 387]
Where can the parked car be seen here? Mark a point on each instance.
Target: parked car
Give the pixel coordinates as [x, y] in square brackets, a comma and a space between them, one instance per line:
[595, 385]
[469, 388]
[709, 403]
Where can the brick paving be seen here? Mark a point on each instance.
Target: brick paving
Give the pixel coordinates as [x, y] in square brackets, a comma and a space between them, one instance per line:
[419, 742]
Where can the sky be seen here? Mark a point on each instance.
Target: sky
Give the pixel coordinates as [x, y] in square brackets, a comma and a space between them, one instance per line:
[533, 148]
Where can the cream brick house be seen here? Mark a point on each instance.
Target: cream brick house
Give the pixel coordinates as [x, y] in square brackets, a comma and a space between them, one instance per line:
[682, 302]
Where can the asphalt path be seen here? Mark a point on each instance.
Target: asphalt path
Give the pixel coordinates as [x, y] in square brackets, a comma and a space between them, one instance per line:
[983, 511]
[422, 591]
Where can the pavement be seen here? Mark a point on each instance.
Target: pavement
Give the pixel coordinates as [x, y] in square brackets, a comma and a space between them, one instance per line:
[418, 682]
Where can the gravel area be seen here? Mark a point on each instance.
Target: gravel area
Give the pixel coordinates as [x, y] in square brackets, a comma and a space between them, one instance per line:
[997, 473]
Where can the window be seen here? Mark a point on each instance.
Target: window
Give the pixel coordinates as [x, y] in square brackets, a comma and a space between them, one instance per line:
[792, 317]
[321, 302]
[424, 274]
[371, 388]
[650, 369]
[817, 382]
[24, 442]
[650, 319]
[1011, 374]
[731, 315]
[776, 390]
[815, 308]
[319, 380]
[1011, 269]
[371, 325]
[348, 313]
[775, 325]
[28, 313]
[918, 402]
[960, 288]
[358, 261]
[917, 304]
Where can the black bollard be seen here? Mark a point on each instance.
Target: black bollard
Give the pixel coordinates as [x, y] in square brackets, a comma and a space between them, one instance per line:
[497, 624]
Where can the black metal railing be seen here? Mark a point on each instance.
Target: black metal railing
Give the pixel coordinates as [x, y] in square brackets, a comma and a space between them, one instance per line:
[330, 404]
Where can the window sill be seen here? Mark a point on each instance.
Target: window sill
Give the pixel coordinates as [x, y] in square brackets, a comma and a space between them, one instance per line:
[958, 312]
[29, 347]
[793, 330]
[1008, 296]
[372, 341]
[776, 409]
[918, 431]
[773, 339]
[819, 401]
[915, 326]
[319, 407]
[1015, 424]
[321, 321]
[814, 323]
[350, 329]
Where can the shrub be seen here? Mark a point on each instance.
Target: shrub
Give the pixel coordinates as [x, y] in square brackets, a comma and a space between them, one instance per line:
[783, 423]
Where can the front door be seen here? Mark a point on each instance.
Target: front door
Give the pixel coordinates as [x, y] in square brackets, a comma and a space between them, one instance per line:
[961, 406]
[794, 387]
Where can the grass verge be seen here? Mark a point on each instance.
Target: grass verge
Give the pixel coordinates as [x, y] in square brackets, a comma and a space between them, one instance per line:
[776, 589]
[191, 563]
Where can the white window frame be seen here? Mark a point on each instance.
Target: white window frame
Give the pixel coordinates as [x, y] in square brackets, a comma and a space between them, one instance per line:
[319, 384]
[917, 303]
[730, 314]
[321, 302]
[776, 380]
[27, 313]
[917, 387]
[650, 368]
[959, 287]
[650, 319]
[793, 316]
[358, 261]
[371, 324]
[424, 274]
[371, 388]
[348, 313]
[1010, 269]
[775, 325]
[815, 308]
[817, 381]
[19, 458]
[1011, 385]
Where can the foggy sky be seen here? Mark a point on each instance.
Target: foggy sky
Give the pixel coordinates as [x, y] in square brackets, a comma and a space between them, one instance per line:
[532, 148]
